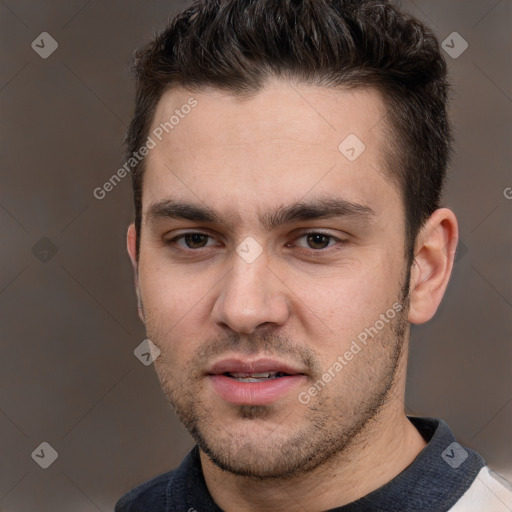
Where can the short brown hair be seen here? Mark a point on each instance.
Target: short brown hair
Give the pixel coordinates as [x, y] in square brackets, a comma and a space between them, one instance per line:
[237, 45]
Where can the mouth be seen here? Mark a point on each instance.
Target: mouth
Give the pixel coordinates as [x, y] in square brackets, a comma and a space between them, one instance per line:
[254, 382]
[262, 368]
[255, 377]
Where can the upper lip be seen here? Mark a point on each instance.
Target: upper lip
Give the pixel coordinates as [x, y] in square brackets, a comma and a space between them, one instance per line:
[235, 365]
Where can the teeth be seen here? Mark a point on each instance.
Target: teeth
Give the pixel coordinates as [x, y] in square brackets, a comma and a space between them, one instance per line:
[262, 375]
[255, 377]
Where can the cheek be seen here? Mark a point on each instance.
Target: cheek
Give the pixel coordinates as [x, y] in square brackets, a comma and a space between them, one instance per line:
[169, 292]
[175, 307]
[339, 306]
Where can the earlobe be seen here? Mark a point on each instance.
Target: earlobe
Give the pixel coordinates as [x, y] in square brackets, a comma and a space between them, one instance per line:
[131, 245]
[433, 262]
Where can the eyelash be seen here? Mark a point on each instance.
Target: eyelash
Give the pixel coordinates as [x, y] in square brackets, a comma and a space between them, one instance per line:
[339, 243]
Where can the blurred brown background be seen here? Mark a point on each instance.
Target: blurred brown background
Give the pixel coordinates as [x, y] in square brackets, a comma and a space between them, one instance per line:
[68, 375]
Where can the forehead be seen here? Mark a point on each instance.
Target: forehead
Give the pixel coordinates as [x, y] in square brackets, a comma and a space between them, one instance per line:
[282, 143]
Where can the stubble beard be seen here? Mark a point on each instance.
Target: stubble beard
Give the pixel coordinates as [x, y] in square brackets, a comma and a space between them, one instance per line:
[330, 429]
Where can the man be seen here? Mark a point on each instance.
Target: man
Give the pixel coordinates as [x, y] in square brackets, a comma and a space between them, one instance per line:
[289, 158]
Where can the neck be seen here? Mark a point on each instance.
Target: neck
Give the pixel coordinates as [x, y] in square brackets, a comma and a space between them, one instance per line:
[378, 454]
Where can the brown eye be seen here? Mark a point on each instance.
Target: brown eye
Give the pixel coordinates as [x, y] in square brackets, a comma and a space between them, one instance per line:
[318, 240]
[196, 240]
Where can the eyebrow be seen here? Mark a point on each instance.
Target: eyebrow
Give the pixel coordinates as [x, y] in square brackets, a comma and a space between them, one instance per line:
[295, 212]
[316, 209]
[169, 208]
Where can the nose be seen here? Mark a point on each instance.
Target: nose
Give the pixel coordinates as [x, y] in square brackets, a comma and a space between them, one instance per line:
[250, 296]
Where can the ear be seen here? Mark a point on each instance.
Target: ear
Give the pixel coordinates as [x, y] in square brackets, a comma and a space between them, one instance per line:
[434, 255]
[131, 246]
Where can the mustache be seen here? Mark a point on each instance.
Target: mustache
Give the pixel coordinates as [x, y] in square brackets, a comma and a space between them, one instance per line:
[261, 344]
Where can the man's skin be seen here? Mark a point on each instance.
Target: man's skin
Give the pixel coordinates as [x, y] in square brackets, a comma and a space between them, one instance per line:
[301, 302]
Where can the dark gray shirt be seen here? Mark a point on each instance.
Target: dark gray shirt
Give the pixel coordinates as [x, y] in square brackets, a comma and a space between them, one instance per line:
[434, 482]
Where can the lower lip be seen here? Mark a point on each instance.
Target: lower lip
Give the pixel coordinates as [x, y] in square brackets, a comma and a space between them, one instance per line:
[254, 393]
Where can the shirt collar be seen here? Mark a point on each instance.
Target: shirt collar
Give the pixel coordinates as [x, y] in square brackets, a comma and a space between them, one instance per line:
[436, 479]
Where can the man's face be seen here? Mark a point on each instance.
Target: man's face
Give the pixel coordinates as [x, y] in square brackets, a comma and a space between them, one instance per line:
[264, 248]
